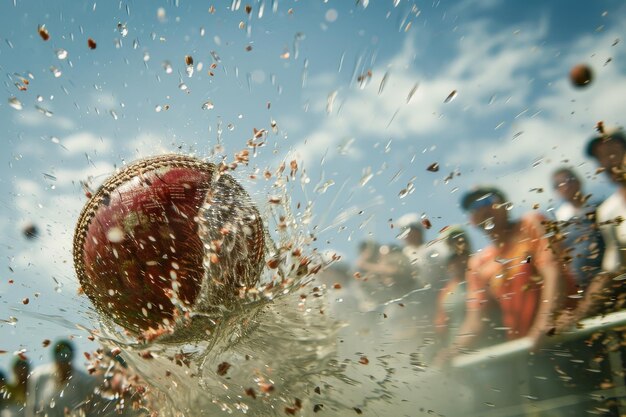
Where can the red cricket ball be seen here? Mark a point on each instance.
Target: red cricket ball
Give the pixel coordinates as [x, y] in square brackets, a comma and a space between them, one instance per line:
[164, 236]
[581, 75]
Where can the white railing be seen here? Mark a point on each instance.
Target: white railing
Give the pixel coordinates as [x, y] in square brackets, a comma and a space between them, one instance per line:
[515, 348]
[522, 345]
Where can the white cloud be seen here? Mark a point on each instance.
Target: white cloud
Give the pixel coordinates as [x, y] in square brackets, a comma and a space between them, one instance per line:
[85, 142]
[147, 144]
[487, 64]
[34, 118]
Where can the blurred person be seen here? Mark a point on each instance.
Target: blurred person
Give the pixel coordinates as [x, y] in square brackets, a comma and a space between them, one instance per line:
[4, 394]
[18, 388]
[58, 389]
[518, 273]
[427, 267]
[451, 299]
[427, 259]
[384, 271]
[582, 243]
[517, 278]
[604, 293]
[119, 393]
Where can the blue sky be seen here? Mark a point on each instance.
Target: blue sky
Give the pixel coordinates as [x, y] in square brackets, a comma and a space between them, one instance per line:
[515, 117]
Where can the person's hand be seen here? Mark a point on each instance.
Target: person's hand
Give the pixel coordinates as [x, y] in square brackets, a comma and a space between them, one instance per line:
[566, 321]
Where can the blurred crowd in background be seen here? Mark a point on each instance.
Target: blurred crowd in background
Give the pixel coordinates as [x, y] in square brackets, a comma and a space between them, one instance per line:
[539, 277]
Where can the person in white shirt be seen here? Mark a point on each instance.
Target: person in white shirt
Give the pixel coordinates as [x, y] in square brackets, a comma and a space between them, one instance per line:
[582, 241]
[606, 292]
[59, 389]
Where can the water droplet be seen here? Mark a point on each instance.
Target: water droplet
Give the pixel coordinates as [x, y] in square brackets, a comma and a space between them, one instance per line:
[182, 86]
[146, 57]
[15, 103]
[488, 224]
[322, 188]
[412, 93]
[61, 53]
[208, 105]
[55, 71]
[403, 234]
[331, 15]
[367, 176]
[115, 235]
[230, 127]
[43, 111]
[122, 29]
[113, 114]
[158, 109]
[167, 66]
[39, 99]
[450, 97]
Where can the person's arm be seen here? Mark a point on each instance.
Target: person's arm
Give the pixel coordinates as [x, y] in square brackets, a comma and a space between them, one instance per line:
[556, 280]
[473, 323]
[31, 396]
[595, 293]
[468, 332]
[553, 293]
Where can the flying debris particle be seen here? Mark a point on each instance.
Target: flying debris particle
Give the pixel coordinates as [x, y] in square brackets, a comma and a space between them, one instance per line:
[367, 176]
[167, 66]
[434, 167]
[115, 235]
[43, 111]
[357, 410]
[330, 102]
[188, 60]
[114, 114]
[30, 232]
[45, 343]
[15, 103]
[318, 407]
[122, 29]
[331, 15]
[55, 71]
[91, 43]
[208, 105]
[426, 223]
[364, 79]
[25, 301]
[322, 188]
[600, 127]
[222, 368]
[248, 9]
[615, 42]
[250, 393]
[450, 97]
[363, 360]
[412, 93]
[383, 82]
[43, 32]
[161, 14]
